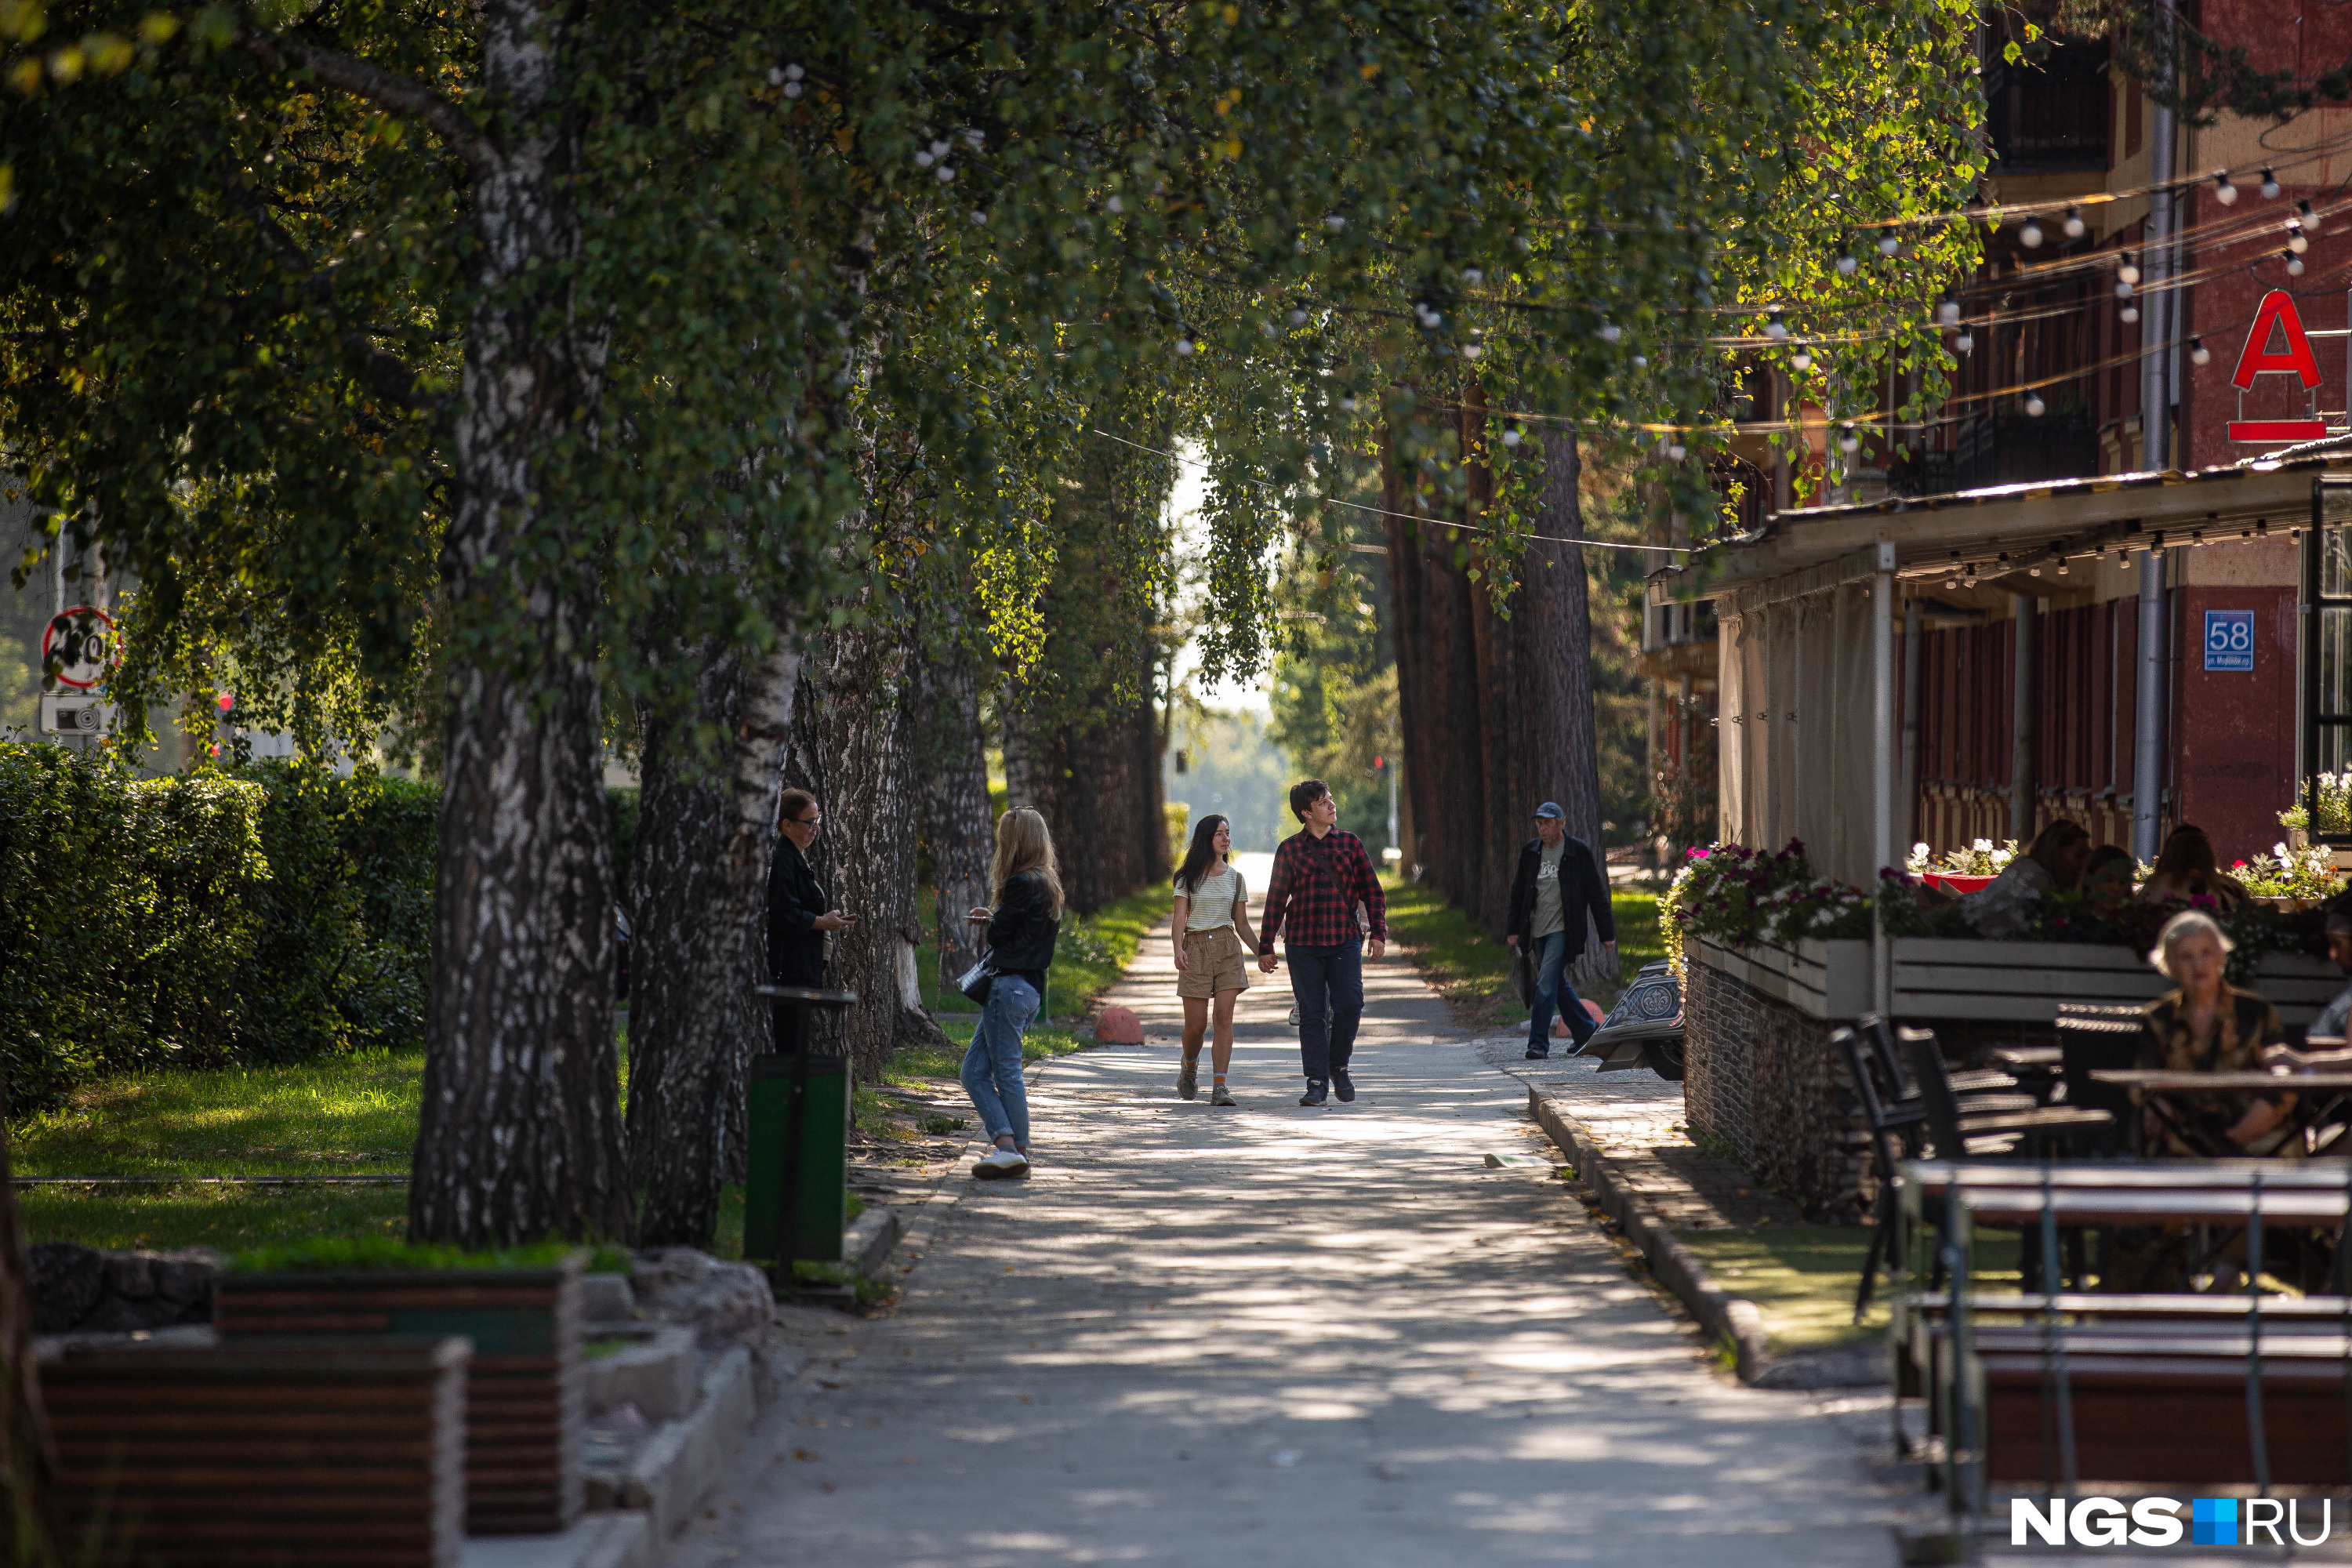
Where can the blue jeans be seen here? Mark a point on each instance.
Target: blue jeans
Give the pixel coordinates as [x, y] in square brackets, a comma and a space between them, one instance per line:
[1326, 979]
[991, 1069]
[1552, 989]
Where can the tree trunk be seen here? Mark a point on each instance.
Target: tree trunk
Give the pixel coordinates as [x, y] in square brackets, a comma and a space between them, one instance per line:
[519, 1136]
[870, 818]
[1566, 736]
[1407, 577]
[950, 763]
[27, 1463]
[706, 834]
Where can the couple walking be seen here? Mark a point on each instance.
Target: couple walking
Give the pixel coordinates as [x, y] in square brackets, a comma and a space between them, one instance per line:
[1322, 878]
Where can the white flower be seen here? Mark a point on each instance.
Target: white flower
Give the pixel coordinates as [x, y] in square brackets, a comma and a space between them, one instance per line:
[1983, 846]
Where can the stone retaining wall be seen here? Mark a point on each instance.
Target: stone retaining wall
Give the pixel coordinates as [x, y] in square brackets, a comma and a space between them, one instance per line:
[1761, 1077]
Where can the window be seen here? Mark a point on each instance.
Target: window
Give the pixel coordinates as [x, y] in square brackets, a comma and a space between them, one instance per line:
[2325, 742]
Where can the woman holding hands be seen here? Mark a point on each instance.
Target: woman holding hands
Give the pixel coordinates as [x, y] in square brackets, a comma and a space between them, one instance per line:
[1212, 939]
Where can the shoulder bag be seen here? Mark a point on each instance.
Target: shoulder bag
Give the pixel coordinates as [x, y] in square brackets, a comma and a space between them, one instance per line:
[979, 979]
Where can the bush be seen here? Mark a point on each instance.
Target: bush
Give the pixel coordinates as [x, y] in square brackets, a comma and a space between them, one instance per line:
[203, 920]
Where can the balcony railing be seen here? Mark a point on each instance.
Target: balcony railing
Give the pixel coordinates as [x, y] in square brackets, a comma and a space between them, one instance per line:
[2051, 115]
[2014, 450]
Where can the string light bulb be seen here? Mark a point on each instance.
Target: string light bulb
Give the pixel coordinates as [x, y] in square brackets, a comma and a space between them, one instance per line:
[2295, 241]
[1774, 328]
[1948, 312]
[2128, 314]
[1966, 342]
[1675, 451]
[2198, 352]
[2270, 184]
[1848, 442]
[2074, 225]
[2223, 191]
[2309, 215]
[2034, 405]
[1610, 333]
[2029, 235]
[2127, 273]
[1847, 265]
[1512, 437]
[2293, 264]
[1889, 246]
[1800, 360]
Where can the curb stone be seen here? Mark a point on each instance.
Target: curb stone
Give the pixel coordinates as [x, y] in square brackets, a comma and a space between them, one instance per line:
[598, 1540]
[1722, 1314]
[865, 1244]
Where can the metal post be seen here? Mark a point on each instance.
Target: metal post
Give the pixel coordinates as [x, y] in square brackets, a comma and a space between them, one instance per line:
[1394, 842]
[1907, 809]
[2147, 737]
[1882, 767]
[2020, 760]
[2156, 454]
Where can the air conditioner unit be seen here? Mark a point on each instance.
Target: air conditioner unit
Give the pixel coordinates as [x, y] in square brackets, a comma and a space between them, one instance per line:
[76, 715]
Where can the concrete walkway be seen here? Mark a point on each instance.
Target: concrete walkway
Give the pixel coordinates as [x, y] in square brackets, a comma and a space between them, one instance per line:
[1277, 1335]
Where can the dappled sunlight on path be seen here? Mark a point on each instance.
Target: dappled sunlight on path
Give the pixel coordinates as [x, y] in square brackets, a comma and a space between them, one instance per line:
[1274, 1334]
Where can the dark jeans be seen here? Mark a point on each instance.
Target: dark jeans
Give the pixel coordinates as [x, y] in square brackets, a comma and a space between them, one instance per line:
[1550, 955]
[1326, 979]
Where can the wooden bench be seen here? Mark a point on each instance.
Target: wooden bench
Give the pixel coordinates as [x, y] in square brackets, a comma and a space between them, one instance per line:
[263, 1453]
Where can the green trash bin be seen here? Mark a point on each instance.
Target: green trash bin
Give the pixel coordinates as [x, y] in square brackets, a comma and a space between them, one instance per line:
[796, 1176]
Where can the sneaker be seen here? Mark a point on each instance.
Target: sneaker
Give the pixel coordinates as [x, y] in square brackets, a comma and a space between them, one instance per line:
[1343, 1086]
[1188, 1081]
[1536, 1056]
[1314, 1095]
[1001, 1162]
[1294, 1018]
[1222, 1096]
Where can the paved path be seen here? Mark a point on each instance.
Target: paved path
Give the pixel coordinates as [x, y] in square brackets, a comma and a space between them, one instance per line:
[1277, 1335]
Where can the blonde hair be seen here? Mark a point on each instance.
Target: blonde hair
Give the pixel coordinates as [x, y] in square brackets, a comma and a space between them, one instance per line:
[1024, 843]
[2186, 923]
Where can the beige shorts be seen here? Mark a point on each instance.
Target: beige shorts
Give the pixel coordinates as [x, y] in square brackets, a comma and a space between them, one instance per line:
[1214, 960]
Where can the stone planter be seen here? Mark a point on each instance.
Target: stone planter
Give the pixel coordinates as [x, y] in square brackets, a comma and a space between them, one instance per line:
[263, 1452]
[524, 1403]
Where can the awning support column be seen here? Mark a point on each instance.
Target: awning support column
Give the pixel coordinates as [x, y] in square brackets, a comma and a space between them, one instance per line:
[1881, 769]
[2022, 703]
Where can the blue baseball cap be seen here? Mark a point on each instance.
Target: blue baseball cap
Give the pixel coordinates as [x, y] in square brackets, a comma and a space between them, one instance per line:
[1551, 808]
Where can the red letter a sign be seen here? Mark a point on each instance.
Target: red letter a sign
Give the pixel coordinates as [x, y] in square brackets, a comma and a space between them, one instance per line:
[2256, 359]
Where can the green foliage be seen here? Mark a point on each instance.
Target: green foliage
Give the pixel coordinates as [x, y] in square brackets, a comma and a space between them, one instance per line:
[327, 1254]
[205, 918]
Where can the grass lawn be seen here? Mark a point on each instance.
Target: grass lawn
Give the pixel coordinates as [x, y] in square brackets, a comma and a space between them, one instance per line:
[356, 1115]
[1472, 970]
[1802, 1278]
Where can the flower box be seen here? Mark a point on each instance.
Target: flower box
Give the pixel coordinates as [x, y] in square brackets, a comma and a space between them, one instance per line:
[257, 1452]
[1819, 979]
[1958, 882]
[524, 1391]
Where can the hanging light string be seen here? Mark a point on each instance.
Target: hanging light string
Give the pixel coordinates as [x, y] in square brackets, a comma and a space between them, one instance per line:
[1407, 516]
[1878, 420]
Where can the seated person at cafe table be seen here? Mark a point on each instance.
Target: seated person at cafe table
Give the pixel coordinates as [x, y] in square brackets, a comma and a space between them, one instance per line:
[2207, 1025]
[2053, 863]
[2186, 870]
[2108, 878]
[2331, 1023]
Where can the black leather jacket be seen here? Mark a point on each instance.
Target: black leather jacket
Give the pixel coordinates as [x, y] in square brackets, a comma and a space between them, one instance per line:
[1021, 933]
[795, 947]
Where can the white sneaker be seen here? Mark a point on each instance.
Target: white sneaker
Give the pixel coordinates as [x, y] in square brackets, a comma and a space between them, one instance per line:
[1001, 1162]
[1294, 1018]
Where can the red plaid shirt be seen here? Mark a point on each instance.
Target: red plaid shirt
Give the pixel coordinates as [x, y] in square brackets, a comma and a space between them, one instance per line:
[1316, 885]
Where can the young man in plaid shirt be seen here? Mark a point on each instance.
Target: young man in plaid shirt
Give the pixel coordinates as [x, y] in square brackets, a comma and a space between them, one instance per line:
[1320, 875]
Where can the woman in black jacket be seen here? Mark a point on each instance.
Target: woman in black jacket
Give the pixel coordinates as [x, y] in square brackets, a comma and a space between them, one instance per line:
[1026, 884]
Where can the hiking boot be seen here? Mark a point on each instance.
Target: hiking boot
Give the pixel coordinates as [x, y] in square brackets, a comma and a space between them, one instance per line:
[1314, 1095]
[1188, 1081]
[1221, 1095]
[1343, 1086]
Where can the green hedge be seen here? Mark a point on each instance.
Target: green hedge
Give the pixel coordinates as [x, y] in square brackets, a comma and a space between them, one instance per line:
[203, 920]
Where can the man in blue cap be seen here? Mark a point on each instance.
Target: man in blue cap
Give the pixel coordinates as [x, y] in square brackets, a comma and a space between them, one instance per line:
[1558, 881]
